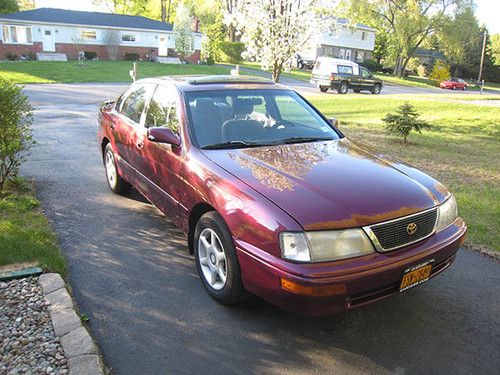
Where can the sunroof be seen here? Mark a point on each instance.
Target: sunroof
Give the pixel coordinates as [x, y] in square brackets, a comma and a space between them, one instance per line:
[228, 79]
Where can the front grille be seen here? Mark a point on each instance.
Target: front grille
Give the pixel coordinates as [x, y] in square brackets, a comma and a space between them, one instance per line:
[394, 234]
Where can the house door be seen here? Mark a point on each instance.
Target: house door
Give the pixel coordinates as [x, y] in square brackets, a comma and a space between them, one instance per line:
[162, 46]
[49, 44]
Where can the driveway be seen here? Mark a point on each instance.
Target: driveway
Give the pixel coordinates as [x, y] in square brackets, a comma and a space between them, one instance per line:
[131, 273]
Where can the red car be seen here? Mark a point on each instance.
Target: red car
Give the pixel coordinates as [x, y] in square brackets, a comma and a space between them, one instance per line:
[274, 199]
[453, 84]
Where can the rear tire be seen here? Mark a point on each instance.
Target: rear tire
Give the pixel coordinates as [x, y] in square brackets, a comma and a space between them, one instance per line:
[375, 89]
[343, 88]
[323, 88]
[216, 260]
[115, 182]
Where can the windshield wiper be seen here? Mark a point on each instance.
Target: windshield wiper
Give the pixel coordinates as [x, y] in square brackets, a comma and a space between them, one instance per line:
[232, 144]
[302, 140]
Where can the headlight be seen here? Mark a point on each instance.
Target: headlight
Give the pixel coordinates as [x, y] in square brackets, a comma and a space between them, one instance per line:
[447, 213]
[322, 246]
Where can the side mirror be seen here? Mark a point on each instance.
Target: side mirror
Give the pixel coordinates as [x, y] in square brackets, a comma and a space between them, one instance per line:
[164, 135]
[334, 122]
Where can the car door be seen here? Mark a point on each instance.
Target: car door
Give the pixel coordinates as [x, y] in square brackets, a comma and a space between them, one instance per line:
[128, 133]
[161, 162]
[367, 80]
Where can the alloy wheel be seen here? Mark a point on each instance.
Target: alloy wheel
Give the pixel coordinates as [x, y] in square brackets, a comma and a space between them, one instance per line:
[212, 259]
[111, 173]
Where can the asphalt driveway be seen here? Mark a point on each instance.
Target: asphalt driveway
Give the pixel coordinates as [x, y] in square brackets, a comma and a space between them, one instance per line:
[131, 273]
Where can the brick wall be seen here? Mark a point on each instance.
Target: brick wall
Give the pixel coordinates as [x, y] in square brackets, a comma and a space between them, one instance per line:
[72, 52]
[19, 49]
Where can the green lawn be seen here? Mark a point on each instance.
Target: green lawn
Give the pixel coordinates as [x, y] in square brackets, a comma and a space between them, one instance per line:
[461, 150]
[95, 71]
[25, 234]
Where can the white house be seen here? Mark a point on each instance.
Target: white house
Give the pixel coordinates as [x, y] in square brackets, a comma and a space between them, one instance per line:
[67, 32]
[345, 41]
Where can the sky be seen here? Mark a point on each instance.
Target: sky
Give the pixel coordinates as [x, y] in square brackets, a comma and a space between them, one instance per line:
[487, 11]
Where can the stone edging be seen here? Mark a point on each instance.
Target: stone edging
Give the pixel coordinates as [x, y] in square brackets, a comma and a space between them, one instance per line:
[78, 346]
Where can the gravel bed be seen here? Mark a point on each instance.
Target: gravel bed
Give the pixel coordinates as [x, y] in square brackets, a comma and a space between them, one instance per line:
[28, 344]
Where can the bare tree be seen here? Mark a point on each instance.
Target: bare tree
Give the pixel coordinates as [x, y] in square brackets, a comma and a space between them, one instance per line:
[112, 41]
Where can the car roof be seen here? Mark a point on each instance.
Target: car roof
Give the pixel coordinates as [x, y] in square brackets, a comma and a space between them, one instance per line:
[333, 60]
[215, 82]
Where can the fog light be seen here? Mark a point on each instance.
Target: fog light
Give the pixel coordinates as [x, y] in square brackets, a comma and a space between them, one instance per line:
[313, 291]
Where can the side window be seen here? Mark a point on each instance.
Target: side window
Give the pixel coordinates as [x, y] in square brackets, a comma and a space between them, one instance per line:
[134, 104]
[162, 109]
[291, 110]
[344, 69]
[365, 73]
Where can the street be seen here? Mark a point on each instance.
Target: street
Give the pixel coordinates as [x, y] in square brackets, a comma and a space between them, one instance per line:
[131, 273]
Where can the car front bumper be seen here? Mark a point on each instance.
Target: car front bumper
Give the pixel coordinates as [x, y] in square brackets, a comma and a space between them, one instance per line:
[366, 279]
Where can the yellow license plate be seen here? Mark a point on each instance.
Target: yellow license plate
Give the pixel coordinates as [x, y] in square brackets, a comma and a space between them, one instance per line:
[415, 275]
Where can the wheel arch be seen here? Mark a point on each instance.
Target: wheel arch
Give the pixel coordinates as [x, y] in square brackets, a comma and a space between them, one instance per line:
[196, 213]
[104, 143]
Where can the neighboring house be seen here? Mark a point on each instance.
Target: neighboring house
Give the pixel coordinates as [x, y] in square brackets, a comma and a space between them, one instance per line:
[345, 41]
[60, 31]
[428, 57]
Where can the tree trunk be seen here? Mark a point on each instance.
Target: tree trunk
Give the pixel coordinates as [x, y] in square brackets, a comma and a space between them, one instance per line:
[277, 68]
[168, 10]
[163, 11]
[231, 33]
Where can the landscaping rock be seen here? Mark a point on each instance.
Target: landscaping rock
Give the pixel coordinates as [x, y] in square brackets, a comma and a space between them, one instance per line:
[28, 343]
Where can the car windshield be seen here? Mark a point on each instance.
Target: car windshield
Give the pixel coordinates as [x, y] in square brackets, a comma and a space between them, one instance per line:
[253, 118]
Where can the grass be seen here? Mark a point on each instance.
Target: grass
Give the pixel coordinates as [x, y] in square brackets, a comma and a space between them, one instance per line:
[94, 71]
[461, 150]
[25, 234]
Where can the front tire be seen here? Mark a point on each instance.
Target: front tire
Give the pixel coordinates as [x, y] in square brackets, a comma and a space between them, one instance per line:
[375, 89]
[216, 260]
[343, 88]
[115, 182]
[323, 88]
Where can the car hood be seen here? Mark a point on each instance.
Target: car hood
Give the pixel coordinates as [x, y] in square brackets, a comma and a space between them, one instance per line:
[332, 184]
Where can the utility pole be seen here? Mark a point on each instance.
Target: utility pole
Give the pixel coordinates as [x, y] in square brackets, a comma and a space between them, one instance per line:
[482, 58]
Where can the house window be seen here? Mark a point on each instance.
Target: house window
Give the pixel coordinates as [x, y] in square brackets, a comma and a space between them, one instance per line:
[128, 38]
[363, 35]
[17, 35]
[89, 35]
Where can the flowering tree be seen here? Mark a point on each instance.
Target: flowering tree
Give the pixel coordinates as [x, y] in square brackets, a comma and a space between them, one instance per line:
[275, 30]
[182, 32]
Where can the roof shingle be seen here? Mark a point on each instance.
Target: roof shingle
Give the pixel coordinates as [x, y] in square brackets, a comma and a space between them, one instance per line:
[53, 15]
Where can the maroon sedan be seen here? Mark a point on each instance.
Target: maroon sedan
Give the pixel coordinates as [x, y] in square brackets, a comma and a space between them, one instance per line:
[274, 199]
[453, 84]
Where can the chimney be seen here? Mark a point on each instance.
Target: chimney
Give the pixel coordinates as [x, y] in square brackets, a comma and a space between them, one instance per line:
[195, 25]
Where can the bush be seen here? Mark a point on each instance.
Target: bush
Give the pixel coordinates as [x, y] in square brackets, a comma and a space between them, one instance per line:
[132, 56]
[372, 65]
[404, 121]
[15, 130]
[11, 56]
[230, 52]
[422, 71]
[440, 72]
[90, 55]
